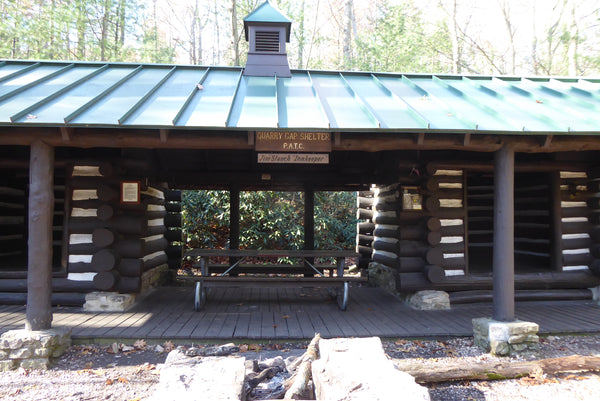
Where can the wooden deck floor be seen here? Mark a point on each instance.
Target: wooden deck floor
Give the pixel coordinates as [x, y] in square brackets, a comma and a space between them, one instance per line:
[279, 314]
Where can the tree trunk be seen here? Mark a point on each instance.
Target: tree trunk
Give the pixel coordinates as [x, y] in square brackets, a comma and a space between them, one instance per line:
[494, 370]
[347, 32]
[235, 34]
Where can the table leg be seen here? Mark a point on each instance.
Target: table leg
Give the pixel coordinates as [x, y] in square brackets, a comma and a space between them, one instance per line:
[340, 266]
[342, 297]
[204, 266]
[199, 296]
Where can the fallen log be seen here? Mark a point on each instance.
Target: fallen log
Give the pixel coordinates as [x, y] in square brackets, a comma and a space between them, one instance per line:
[297, 385]
[494, 370]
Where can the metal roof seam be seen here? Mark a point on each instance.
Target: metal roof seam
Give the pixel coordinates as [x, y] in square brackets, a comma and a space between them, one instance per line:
[539, 115]
[277, 101]
[457, 113]
[102, 95]
[326, 109]
[233, 98]
[410, 108]
[372, 114]
[189, 98]
[145, 97]
[516, 124]
[47, 99]
[31, 84]
[19, 72]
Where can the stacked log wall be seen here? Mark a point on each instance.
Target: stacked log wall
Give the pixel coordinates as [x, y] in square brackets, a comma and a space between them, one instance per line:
[112, 244]
[173, 223]
[14, 237]
[593, 204]
[576, 213]
[408, 240]
[557, 220]
[364, 228]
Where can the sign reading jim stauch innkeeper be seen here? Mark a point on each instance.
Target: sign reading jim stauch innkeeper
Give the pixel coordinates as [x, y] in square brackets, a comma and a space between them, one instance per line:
[275, 141]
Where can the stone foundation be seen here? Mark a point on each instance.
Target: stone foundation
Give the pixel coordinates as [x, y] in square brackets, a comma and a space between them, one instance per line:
[32, 349]
[505, 338]
[108, 302]
[100, 301]
[429, 300]
[154, 277]
[383, 277]
[596, 293]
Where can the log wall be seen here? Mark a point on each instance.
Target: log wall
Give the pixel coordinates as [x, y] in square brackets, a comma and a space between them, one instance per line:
[448, 244]
[364, 228]
[409, 240]
[14, 198]
[112, 244]
[173, 223]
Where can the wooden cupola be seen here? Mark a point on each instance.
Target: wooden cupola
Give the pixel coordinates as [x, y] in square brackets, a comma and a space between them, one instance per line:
[267, 30]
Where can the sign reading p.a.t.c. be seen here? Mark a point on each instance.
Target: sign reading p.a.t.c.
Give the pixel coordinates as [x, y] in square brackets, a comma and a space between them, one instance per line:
[290, 141]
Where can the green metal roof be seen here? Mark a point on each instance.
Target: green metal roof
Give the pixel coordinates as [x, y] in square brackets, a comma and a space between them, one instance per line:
[83, 94]
[267, 13]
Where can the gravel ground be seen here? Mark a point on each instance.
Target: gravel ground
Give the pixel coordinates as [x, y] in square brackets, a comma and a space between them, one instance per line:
[92, 372]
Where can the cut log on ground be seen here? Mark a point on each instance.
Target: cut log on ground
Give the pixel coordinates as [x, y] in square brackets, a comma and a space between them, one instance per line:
[494, 370]
[298, 383]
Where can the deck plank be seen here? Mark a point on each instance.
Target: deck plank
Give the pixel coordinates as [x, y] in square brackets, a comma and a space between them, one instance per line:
[295, 313]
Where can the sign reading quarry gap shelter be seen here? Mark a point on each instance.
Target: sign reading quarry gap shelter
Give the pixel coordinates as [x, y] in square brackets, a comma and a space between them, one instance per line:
[291, 143]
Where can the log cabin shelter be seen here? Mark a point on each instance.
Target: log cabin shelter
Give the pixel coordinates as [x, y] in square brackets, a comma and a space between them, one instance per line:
[482, 186]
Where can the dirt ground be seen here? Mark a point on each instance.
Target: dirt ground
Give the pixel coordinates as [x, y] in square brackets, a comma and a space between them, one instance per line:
[129, 372]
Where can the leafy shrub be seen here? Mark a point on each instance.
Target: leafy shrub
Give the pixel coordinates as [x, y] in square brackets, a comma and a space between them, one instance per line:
[269, 220]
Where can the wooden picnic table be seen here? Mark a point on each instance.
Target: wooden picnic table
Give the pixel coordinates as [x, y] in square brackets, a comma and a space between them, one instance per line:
[338, 284]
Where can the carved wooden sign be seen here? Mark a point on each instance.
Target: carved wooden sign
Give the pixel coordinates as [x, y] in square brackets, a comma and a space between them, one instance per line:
[276, 141]
[294, 158]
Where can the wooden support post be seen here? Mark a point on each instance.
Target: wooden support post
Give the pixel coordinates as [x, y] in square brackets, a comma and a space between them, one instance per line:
[309, 222]
[309, 219]
[234, 220]
[41, 213]
[504, 227]
[556, 242]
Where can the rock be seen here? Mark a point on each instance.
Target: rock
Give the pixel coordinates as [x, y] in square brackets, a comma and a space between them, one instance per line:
[220, 350]
[430, 300]
[40, 364]
[7, 365]
[383, 277]
[272, 362]
[208, 378]
[358, 369]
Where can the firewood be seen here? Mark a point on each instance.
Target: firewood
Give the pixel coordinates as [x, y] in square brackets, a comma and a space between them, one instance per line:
[297, 385]
[494, 370]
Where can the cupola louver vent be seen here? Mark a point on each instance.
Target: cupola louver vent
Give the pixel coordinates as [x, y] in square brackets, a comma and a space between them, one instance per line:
[267, 42]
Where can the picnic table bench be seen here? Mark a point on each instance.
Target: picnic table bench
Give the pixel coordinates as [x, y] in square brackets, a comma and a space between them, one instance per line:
[338, 284]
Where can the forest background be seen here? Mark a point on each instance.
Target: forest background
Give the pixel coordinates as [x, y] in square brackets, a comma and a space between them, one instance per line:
[492, 37]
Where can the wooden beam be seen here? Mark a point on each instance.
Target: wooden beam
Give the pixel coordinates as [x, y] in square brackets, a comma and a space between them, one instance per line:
[251, 138]
[164, 135]
[349, 141]
[548, 141]
[41, 214]
[421, 139]
[66, 133]
[467, 140]
[337, 138]
[503, 252]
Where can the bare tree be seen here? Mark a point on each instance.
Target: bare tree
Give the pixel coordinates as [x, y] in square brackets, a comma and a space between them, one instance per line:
[347, 33]
[511, 30]
[235, 40]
